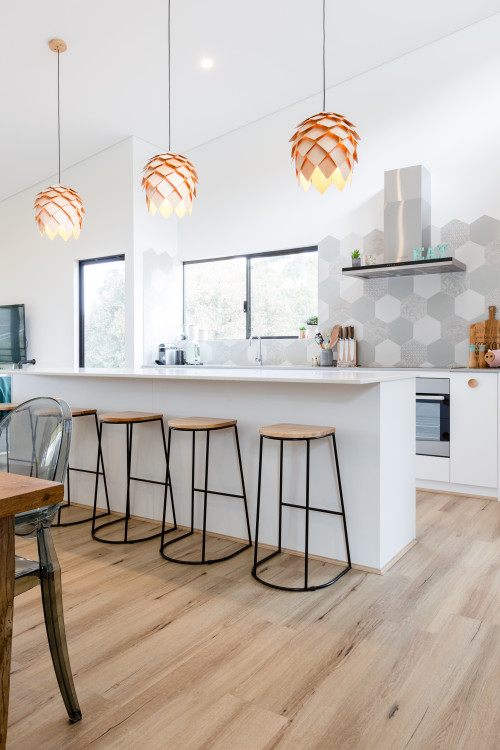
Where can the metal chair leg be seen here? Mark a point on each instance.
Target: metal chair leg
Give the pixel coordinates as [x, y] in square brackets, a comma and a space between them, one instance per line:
[50, 582]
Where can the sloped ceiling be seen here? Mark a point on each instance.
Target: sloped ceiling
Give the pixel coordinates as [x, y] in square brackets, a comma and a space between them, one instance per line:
[267, 55]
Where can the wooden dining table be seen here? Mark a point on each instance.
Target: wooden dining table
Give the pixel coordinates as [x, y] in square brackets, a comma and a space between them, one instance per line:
[17, 494]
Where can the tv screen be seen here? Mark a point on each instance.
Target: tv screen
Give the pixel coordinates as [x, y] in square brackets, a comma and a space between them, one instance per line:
[12, 334]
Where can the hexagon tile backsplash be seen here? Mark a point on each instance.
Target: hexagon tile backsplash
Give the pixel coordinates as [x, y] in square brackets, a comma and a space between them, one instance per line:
[404, 321]
[413, 321]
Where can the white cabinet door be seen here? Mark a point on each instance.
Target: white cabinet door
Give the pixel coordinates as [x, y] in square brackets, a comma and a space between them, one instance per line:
[473, 428]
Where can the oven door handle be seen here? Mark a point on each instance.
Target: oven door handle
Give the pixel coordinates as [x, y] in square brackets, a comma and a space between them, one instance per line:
[426, 397]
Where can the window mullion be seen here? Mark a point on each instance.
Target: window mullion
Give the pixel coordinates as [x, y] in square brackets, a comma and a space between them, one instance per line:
[249, 299]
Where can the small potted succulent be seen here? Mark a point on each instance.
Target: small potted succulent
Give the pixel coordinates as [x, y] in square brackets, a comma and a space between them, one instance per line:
[302, 332]
[355, 258]
[312, 325]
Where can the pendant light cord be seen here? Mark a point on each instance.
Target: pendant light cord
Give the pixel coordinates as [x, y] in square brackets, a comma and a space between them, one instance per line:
[169, 75]
[324, 69]
[58, 120]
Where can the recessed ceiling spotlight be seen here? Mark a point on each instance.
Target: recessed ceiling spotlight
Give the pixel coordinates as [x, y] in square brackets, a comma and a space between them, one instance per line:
[207, 63]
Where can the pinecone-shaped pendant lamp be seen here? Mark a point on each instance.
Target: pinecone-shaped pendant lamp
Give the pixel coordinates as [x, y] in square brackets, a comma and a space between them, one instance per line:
[170, 184]
[59, 211]
[324, 150]
[169, 179]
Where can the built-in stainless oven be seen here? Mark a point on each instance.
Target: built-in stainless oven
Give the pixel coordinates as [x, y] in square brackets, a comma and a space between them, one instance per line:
[433, 416]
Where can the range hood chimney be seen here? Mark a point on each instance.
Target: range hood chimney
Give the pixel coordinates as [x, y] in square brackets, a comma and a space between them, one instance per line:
[407, 224]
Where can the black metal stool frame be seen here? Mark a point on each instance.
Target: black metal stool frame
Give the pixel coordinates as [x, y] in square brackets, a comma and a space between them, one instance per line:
[206, 492]
[58, 522]
[307, 507]
[167, 483]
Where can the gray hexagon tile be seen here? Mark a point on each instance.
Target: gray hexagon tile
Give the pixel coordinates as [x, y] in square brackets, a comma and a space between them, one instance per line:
[484, 279]
[454, 329]
[492, 253]
[454, 283]
[375, 331]
[440, 306]
[413, 307]
[440, 353]
[485, 230]
[340, 312]
[363, 309]
[376, 288]
[400, 286]
[454, 234]
[373, 243]
[400, 330]
[413, 353]
[365, 352]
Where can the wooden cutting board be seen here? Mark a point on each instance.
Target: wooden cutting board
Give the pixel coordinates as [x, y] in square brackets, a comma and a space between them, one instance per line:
[486, 331]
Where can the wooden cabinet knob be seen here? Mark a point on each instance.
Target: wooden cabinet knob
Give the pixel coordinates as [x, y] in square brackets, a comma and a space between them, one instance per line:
[472, 383]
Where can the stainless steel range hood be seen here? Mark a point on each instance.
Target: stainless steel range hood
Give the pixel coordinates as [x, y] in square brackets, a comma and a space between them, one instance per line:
[407, 224]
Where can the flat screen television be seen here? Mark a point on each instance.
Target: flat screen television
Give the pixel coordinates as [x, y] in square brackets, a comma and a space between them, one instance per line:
[12, 334]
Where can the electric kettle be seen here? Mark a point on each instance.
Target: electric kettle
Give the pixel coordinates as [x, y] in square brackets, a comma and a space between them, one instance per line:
[193, 356]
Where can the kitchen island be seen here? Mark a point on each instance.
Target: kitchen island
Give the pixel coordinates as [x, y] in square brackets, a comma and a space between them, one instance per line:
[373, 413]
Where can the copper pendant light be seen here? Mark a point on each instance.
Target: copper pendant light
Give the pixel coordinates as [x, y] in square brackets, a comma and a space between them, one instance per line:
[324, 146]
[59, 209]
[169, 179]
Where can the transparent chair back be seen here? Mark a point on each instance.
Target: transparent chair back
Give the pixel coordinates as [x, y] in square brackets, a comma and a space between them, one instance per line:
[35, 439]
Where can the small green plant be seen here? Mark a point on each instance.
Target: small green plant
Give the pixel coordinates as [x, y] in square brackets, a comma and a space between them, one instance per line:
[302, 328]
[312, 321]
[355, 254]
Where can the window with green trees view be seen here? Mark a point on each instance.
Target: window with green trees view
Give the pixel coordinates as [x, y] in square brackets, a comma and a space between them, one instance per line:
[271, 294]
[102, 312]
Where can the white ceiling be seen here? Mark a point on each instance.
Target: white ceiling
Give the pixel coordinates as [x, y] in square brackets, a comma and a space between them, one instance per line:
[267, 55]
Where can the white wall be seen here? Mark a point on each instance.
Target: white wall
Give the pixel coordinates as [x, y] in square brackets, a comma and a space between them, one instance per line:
[40, 272]
[438, 106]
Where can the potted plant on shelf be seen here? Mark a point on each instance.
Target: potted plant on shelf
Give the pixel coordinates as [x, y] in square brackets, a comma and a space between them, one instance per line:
[355, 258]
[312, 324]
[302, 332]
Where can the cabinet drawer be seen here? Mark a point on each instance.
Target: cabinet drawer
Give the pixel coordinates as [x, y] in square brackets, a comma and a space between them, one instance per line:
[433, 468]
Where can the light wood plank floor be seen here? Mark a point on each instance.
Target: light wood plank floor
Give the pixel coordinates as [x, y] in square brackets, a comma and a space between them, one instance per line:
[171, 656]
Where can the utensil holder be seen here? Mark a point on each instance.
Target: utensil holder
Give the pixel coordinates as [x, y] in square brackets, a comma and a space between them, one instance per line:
[326, 358]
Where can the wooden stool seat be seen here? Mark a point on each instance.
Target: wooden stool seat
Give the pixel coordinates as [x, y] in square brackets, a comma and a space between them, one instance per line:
[200, 423]
[295, 431]
[75, 412]
[8, 407]
[124, 417]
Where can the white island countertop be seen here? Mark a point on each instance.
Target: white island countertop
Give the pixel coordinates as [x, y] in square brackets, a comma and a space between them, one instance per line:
[320, 375]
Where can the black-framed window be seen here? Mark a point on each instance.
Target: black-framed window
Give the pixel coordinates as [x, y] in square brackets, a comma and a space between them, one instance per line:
[270, 294]
[102, 311]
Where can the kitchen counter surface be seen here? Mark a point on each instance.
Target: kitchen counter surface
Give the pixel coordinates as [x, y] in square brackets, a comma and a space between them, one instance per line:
[311, 375]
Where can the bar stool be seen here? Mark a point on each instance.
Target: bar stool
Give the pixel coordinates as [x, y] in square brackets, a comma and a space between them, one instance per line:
[208, 425]
[76, 413]
[131, 418]
[295, 432]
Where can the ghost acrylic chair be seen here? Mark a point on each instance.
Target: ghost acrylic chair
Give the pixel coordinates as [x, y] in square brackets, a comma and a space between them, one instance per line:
[39, 447]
